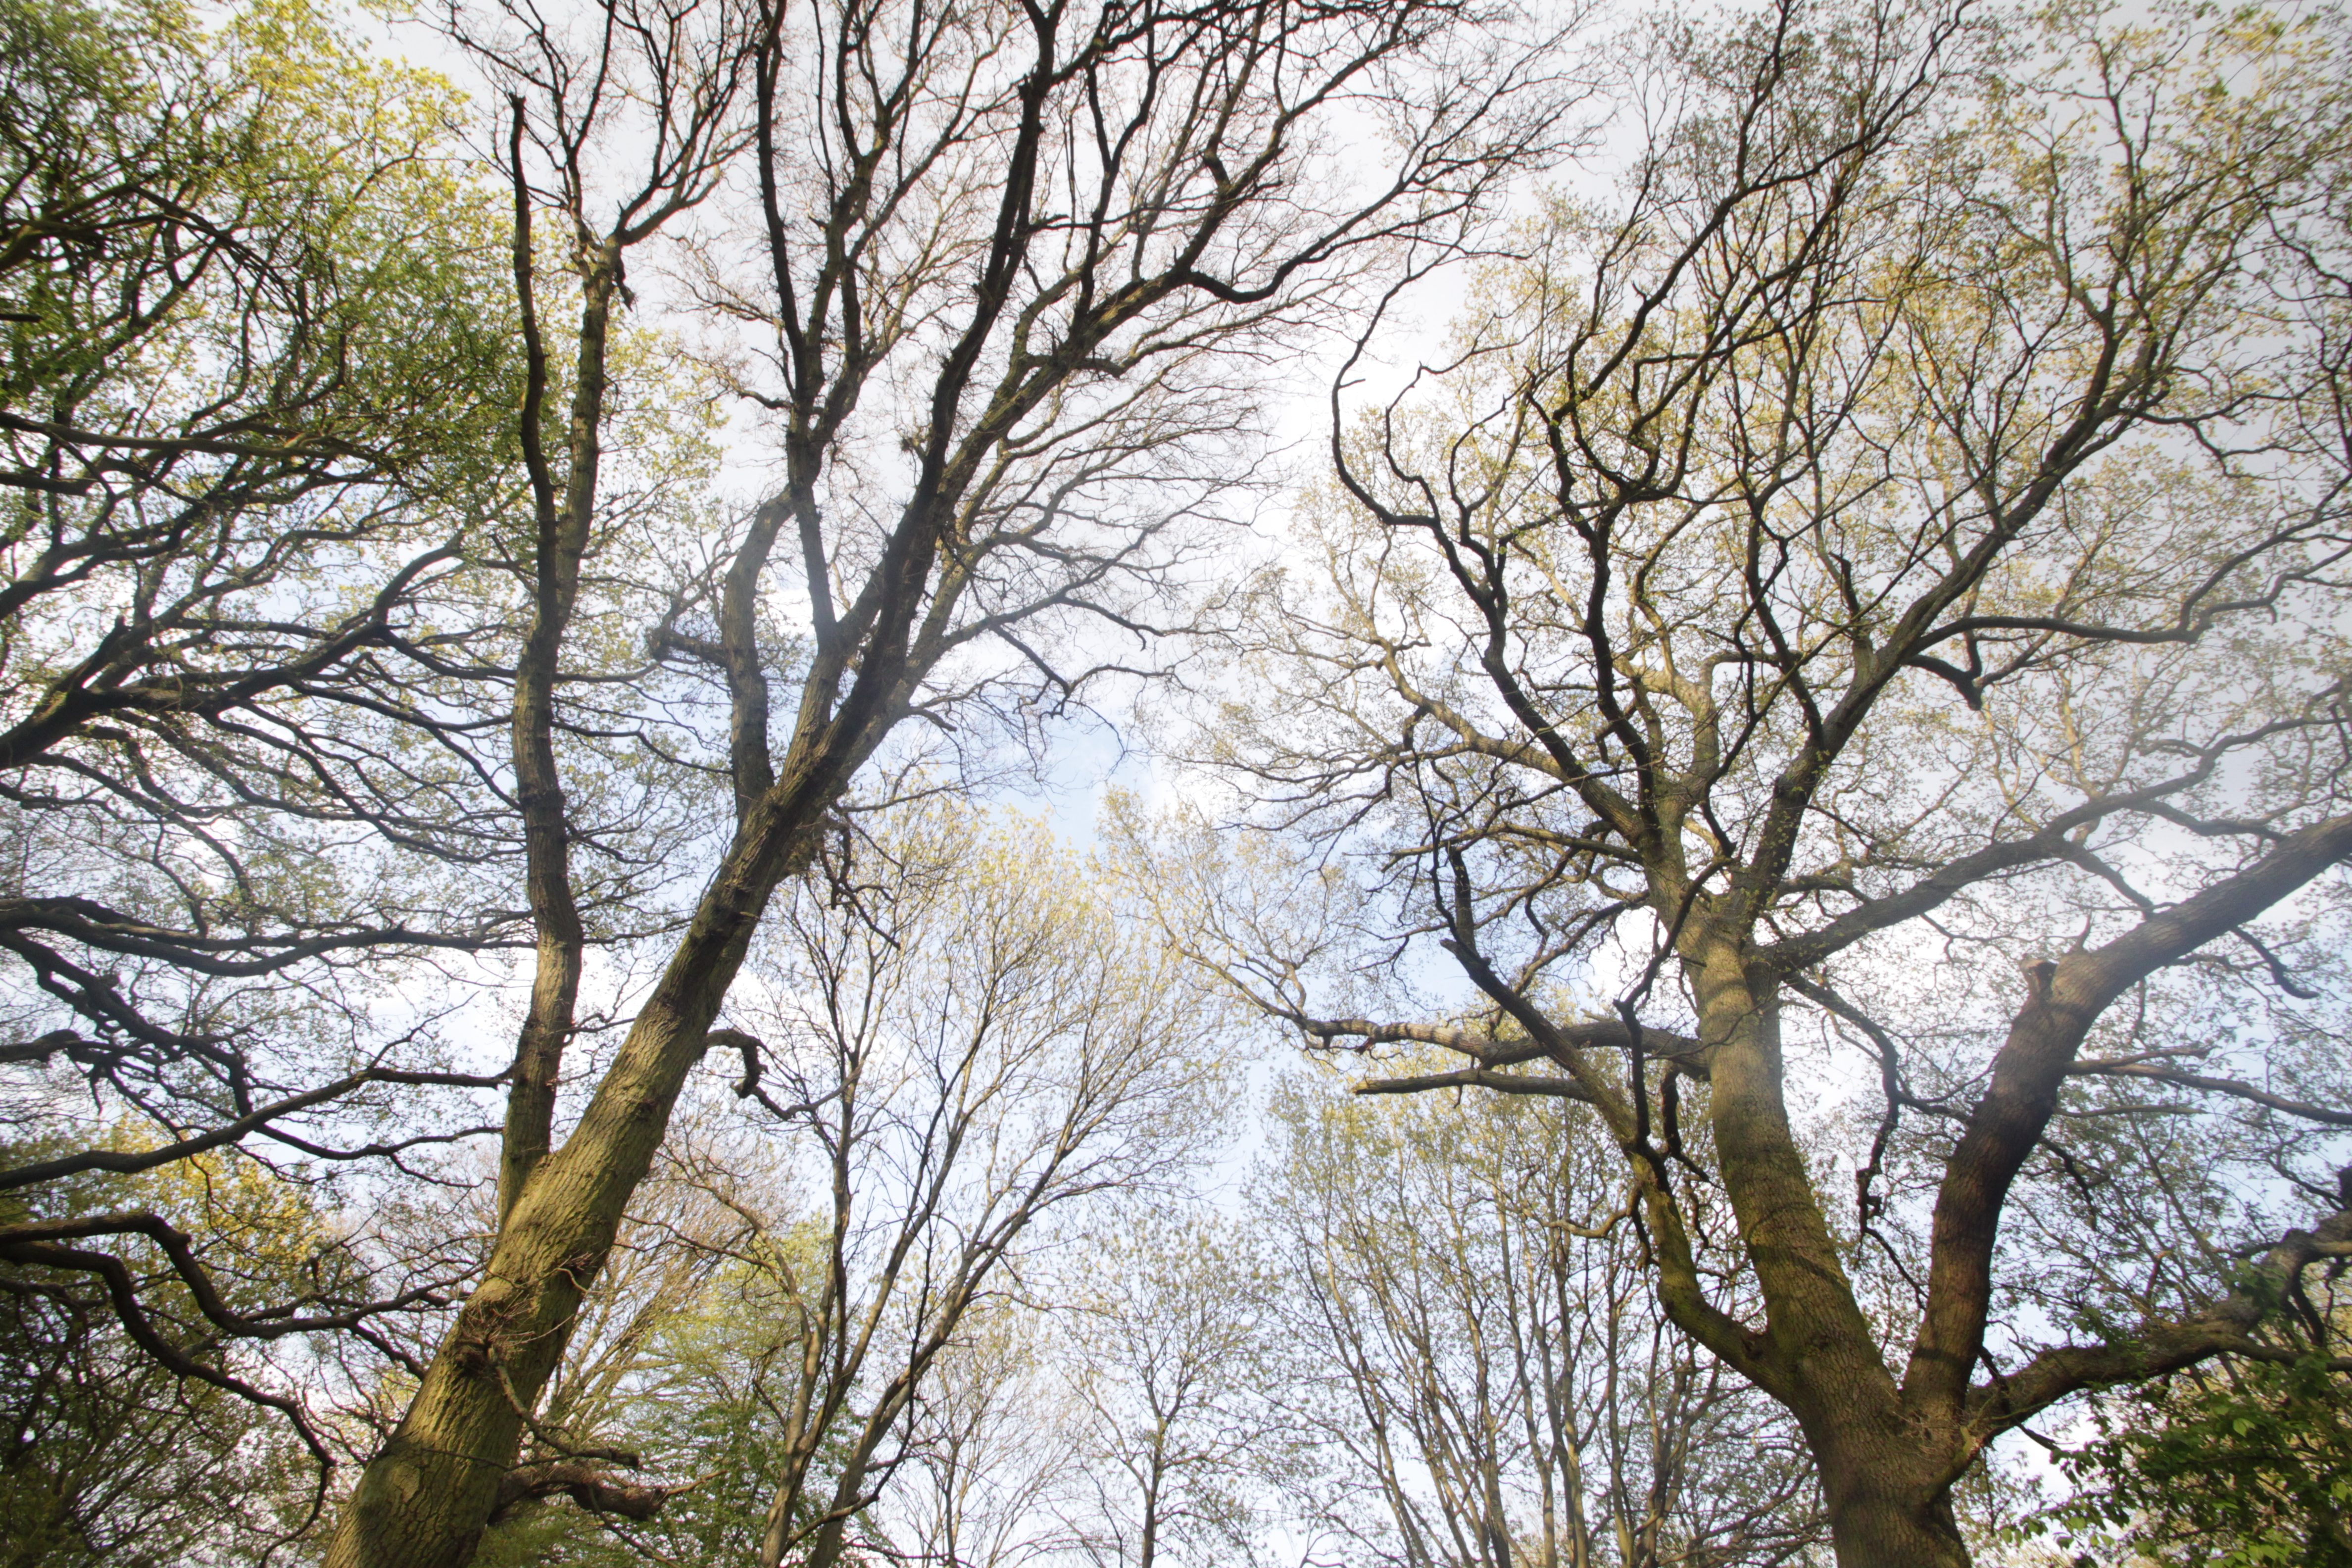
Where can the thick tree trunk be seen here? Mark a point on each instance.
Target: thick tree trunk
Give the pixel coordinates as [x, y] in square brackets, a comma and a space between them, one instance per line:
[1873, 1525]
[1884, 1472]
[424, 1498]
[1881, 1467]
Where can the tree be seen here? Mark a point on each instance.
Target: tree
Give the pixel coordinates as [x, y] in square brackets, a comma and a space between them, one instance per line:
[109, 1456]
[1490, 1379]
[992, 1441]
[250, 407]
[1898, 541]
[1168, 1359]
[982, 1050]
[244, 401]
[1007, 272]
[658, 1427]
[822, 1296]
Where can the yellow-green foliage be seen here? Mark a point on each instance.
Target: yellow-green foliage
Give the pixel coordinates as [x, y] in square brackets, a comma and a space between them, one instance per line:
[109, 1458]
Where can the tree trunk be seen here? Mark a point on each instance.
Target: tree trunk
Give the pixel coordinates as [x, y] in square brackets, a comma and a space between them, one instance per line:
[1885, 1471]
[424, 1498]
[1882, 1468]
[1877, 1522]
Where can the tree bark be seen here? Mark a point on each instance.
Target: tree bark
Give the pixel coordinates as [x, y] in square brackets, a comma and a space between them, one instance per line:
[1880, 1470]
[424, 1499]
[561, 541]
[1873, 1524]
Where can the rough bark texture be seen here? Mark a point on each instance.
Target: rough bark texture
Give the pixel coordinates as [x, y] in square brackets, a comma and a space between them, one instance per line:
[1873, 1524]
[425, 1498]
[1889, 1455]
[1819, 1353]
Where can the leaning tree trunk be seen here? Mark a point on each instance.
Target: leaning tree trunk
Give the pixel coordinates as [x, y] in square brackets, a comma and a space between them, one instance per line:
[424, 1498]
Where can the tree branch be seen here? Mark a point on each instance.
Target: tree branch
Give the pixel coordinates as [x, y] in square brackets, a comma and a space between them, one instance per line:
[2212, 1085]
[2064, 1001]
[2224, 1328]
[129, 1164]
[1478, 1077]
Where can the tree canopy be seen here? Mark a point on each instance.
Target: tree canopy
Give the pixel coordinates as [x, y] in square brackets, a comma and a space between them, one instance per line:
[1785, 765]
